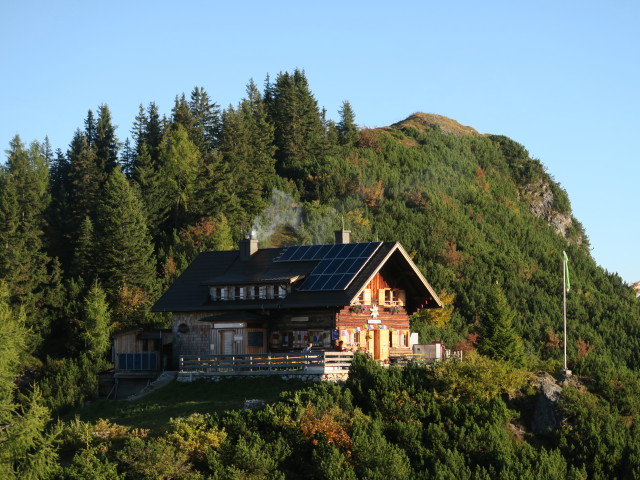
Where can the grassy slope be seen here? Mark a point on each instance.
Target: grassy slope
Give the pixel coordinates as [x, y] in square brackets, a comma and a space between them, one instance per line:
[182, 399]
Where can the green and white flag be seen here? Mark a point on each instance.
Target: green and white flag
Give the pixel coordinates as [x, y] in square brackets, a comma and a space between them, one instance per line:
[566, 271]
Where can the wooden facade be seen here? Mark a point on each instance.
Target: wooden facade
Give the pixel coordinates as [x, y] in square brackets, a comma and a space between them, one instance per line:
[376, 321]
[255, 302]
[142, 350]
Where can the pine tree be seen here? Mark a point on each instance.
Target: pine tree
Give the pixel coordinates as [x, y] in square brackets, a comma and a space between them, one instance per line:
[96, 332]
[84, 258]
[247, 149]
[347, 129]
[207, 123]
[90, 128]
[27, 443]
[24, 198]
[106, 143]
[181, 164]
[497, 338]
[298, 125]
[122, 237]
[59, 212]
[86, 180]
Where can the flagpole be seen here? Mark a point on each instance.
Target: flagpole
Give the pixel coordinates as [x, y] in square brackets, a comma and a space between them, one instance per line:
[564, 305]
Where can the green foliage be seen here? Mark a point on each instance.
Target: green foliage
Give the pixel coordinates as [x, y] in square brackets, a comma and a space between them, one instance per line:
[97, 327]
[497, 338]
[153, 459]
[459, 202]
[28, 449]
[127, 267]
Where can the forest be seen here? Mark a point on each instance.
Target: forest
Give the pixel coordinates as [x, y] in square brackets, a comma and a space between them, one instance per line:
[92, 234]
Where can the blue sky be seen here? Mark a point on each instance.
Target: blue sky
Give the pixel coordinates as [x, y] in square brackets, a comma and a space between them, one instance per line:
[561, 78]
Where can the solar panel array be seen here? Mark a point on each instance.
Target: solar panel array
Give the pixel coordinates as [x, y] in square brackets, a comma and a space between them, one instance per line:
[338, 264]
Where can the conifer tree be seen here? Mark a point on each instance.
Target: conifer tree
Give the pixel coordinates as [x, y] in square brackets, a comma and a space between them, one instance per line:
[90, 128]
[122, 237]
[497, 338]
[206, 121]
[27, 445]
[84, 257]
[347, 128]
[298, 124]
[24, 197]
[96, 332]
[247, 149]
[106, 144]
[86, 179]
[59, 211]
[181, 164]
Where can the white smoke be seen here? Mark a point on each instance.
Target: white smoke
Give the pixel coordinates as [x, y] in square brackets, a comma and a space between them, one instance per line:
[283, 211]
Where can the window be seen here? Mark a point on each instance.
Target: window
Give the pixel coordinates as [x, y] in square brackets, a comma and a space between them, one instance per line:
[365, 297]
[282, 291]
[183, 328]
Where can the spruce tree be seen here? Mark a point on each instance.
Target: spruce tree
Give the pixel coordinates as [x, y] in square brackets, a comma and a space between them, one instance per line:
[58, 215]
[207, 122]
[86, 180]
[123, 240]
[27, 444]
[347, 129]
[85, 253]
[24, 198]
[90, 128]
[181, 165]
[106, 143]
[96, 331]
[298, 125]
[247, 150]
[497, 338]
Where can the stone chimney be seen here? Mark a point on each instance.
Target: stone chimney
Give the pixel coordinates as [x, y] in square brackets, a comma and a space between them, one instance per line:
[343, 236]
[248, 246]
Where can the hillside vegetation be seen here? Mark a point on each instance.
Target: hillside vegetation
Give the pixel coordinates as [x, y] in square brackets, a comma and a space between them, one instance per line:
[92, 235]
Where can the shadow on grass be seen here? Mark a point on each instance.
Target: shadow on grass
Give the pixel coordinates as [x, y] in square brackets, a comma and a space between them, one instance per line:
[182, 399]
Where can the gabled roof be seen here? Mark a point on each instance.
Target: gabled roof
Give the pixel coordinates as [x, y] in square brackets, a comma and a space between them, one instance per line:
[190, 291]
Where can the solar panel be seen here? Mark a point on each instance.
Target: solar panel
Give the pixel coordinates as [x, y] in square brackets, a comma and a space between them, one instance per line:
[337, 266]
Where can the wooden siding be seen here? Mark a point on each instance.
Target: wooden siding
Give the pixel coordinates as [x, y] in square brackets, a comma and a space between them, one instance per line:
[128, 342]
[376, 339]
[202, 338]
[195, 341]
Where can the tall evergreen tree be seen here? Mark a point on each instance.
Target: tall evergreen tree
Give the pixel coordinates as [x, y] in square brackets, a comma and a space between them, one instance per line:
[86, 179]
[122, 237]
[347, 129]
[24, 197]
[96, 331]
[207, 122]
[90, 128]
[298, 124]
[27, 445]
[497, 338]
[84, 256]
[58, 214]
[247, 149]
[181, 164]
[106, 143]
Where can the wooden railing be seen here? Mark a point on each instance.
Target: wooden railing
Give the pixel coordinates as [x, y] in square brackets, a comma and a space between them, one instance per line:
[267, 363]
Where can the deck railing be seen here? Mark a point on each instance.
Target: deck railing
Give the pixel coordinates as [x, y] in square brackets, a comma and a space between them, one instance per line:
[267, 363]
